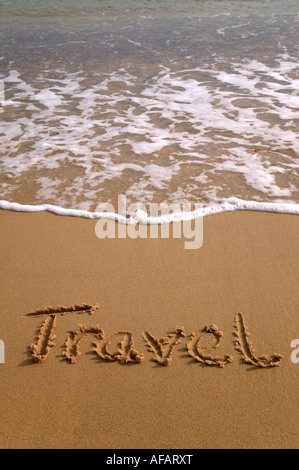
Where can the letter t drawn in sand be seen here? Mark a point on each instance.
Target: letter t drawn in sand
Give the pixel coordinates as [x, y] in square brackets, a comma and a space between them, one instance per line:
[45, 339]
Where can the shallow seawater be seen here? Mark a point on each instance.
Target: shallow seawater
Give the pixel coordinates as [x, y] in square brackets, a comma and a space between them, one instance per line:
[173, 101]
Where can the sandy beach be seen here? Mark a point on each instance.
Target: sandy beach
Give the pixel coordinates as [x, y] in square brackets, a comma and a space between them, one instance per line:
[153, 295]
[143, 112]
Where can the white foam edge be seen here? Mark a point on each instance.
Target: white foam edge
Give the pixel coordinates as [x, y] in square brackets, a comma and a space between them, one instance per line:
[226, 205]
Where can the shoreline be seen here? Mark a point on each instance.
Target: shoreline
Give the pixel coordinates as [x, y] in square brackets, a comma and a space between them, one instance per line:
[168, 213]
[151, 288]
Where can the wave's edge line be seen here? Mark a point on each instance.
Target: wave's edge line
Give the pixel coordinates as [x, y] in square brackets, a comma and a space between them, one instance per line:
[226, 205]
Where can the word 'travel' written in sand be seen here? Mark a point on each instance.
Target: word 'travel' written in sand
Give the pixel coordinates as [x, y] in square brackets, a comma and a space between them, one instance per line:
[119, 346]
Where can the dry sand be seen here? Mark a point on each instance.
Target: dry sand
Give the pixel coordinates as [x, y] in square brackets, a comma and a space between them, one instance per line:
[149, 289]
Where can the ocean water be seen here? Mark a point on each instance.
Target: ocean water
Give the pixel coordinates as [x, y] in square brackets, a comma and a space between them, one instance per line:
[178, 101]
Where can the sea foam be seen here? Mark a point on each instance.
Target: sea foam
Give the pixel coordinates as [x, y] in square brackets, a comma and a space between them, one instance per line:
[141, 217]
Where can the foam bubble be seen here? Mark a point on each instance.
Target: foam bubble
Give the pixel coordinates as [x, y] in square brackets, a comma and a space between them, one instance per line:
[188, 132]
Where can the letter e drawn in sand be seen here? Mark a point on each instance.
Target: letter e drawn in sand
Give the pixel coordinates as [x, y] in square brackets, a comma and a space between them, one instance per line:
[199, 351]
[245, 347]
[163, 348]
[45, 339]
[126, 352]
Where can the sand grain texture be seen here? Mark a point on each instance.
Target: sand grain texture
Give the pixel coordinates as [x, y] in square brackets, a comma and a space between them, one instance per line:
[248, 263]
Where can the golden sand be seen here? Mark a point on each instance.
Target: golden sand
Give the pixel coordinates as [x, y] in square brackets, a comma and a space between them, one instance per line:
[66, 384]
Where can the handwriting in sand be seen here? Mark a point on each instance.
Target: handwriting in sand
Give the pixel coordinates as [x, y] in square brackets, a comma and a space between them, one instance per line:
[120, 346]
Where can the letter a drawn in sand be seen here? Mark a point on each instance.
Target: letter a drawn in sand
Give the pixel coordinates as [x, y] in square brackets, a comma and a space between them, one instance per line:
[45, 339]
[162, 349]
[126, 353]
[245, 347]
[198, 351]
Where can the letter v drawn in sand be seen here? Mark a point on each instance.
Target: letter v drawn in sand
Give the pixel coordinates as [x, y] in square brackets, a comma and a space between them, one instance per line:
[245, 347]
[199, 351]
[45, 339]
[126, 352]
[163, 348]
